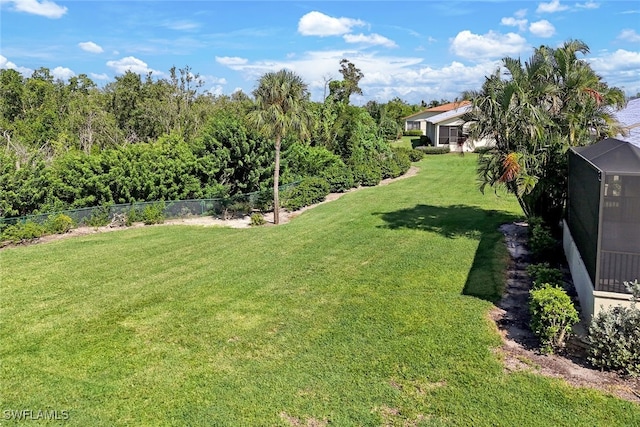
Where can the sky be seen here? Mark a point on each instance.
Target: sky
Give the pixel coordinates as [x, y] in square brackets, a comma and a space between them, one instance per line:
[414, 50]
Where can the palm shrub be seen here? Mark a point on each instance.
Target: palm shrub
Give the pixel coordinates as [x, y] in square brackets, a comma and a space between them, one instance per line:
[614, 336]
[552, 316]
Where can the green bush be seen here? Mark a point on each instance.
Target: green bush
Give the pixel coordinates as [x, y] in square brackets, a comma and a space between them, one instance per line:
[614, 337]
[100, 217]
[23, 232]
[483, 150]
[132, 216]
[552, 316]
[311, 190]
[542, 273]
[257, 220]
[434, 150]
[542, 244]
[340, 178]
[415, 155]
[58, 224]
[414, 132]
[395, 164]
[153, 213]
[367, 174]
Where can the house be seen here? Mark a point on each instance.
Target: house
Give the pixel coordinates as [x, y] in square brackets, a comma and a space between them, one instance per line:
[601, 232]
[444, 126]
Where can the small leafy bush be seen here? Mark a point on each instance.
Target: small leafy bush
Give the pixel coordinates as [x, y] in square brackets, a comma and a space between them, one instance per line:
[541, 241]
[59, 224]
[311, 190]
[415, 155]
[153, 213]
[413, 132]
[257, 220]
[100, 217]
[434, 150]
[340, 179]
[132, 216]
[395, 164]
[552, 316]
[614, 337]
[542, 273]
[23, 232]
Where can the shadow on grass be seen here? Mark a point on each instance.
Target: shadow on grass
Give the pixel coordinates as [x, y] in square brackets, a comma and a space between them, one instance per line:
[486, 279]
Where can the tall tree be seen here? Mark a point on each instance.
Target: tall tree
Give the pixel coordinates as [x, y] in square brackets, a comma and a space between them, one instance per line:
[281, 110]
[534, 114]
[341, 90]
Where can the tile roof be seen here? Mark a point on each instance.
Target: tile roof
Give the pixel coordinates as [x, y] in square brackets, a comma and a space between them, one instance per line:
[629, 117]
[449, 114]
[441, 108]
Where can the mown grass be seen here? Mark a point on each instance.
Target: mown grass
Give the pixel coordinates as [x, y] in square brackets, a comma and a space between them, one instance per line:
[369, 310]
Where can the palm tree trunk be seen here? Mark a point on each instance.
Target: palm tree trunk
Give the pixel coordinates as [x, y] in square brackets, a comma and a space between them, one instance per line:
[276, 184]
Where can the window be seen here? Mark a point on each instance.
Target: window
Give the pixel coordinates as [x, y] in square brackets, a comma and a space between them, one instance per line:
[413, 125]
[449, 135]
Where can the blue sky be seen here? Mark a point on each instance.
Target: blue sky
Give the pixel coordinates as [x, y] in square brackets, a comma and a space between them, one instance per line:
[416, 50]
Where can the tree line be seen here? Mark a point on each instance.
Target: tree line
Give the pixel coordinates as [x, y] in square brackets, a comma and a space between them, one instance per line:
[71, 144]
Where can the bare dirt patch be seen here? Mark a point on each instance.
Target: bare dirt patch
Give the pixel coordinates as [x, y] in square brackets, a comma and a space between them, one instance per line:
[520, 347]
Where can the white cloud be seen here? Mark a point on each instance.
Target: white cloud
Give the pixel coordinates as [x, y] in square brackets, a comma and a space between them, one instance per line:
[620, 69]
[588, 5]
[514, 22]
[542, 28]
[213, 80]
[90, 47]
[62, 73]
[8, 65]
[231, 61]
[216, 90]
[551, 7]
[629, 36]
[182, 25]
[318, 24]
[371, 39]
[44, 8]
[491, 45]
[102, 76]
[130, 63]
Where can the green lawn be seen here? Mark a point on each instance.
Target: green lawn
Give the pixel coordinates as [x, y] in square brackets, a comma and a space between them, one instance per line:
[369, 310]
[404, 141]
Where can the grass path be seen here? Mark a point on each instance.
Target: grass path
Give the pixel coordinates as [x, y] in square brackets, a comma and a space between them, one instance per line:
[369, 310]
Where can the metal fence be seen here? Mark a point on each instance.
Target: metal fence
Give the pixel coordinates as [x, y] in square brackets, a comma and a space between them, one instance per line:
[222, 207]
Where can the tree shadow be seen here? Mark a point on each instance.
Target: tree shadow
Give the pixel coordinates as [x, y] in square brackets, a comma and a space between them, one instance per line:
[486, 278]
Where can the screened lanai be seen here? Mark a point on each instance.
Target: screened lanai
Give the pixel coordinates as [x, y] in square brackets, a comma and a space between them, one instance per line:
[603, 212]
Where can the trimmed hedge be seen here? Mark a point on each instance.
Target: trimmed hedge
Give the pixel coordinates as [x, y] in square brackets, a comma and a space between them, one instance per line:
[444, 149]
[414, 132]
[552, 316]
[309, 191]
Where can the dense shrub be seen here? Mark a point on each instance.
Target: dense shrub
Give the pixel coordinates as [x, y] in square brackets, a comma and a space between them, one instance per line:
[301, 160]
[483, 150]
[100, 217]
[395, 164]
[425, 140]
[543, 246]
[614, 337]
[58, 224]
[153, 213]
[415, 155]
[367, 174]
[552, 316]
[23, 231]
[132, 216]
[414, 132]
[542, 273]
[257, 220]
[311, 190]
[340, 178]
[434, 150]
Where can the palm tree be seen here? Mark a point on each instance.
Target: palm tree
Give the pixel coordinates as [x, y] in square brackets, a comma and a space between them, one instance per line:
[281, 99]
[534, 114]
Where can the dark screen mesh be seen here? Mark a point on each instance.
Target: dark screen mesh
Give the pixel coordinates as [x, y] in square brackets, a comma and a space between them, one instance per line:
[583, 205]
[620, 244]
